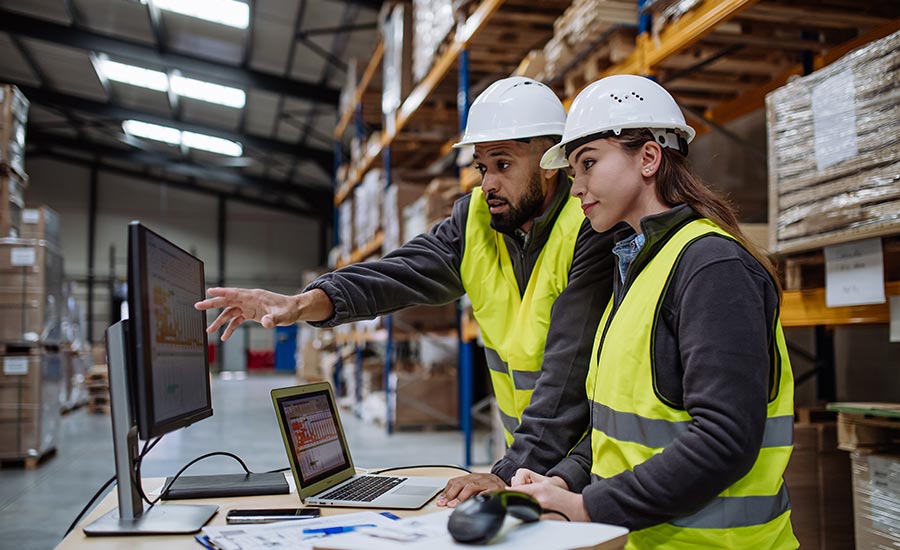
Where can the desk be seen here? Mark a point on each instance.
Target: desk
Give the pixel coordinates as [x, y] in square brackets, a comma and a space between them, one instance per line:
[78, 541]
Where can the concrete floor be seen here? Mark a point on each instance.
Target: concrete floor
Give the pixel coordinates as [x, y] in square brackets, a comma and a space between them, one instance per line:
[37, 506]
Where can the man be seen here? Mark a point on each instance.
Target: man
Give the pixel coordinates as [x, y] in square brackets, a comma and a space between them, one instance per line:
[537, 274]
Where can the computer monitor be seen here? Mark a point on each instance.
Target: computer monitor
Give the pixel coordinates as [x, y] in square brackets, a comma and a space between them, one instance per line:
[168, 336]
[158, 376]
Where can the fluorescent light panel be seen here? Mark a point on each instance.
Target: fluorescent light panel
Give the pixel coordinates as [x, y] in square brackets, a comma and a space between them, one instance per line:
[135, 76]
[207, 91]
[212, 144]
[155, 132]
[225, 12]
[174, 136]
[183, 86]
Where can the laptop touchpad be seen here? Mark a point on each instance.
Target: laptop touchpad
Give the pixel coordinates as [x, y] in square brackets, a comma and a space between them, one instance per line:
[413, 490]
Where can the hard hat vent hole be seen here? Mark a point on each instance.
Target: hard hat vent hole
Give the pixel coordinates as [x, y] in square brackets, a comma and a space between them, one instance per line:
[662, 140]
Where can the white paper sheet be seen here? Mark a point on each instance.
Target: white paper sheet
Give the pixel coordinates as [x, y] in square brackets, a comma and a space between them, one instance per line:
[285, 535]
[433, 535]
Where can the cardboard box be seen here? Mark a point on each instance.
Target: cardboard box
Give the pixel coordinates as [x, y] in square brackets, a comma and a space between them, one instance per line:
[876, 500]
[31, 292]
[425, 398]
[397, 197]
[424, 318]
[818, 479]
[29, 403]
[41, 223]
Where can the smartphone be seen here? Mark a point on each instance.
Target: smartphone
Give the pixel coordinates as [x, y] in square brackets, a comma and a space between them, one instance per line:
[268, 515]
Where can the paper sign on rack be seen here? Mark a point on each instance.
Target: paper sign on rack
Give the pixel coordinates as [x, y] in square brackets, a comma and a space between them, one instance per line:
[854, 273]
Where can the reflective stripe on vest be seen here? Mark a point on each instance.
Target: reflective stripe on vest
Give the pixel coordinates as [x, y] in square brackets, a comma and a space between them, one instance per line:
[513, 325]
[631, 424]
[656, 433]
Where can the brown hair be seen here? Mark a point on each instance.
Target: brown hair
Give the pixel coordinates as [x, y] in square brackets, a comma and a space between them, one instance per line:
[676, 183]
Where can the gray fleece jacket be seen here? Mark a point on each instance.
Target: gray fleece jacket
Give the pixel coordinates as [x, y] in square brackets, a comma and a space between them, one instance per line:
[426, 271]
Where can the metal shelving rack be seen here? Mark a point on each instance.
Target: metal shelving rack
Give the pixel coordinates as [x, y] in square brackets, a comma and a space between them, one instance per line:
[651, 57]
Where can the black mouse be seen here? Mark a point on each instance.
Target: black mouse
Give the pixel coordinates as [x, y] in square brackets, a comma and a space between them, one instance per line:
[479, 519]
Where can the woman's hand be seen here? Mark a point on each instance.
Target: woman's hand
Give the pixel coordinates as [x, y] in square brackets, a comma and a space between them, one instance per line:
[552, 493]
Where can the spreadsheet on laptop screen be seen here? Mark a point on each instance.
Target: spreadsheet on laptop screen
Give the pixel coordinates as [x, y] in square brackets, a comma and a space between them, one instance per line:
[314, 435]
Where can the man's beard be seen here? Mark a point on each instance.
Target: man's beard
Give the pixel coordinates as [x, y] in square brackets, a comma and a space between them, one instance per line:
[528, 207]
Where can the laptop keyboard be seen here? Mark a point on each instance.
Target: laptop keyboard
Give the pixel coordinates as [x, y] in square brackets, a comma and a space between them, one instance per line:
[364, 488]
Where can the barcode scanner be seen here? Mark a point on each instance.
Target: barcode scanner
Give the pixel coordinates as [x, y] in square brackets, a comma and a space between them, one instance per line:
[479, 519]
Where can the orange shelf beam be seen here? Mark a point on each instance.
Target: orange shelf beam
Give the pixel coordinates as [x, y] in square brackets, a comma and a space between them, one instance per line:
[367, 76]
[806, 308]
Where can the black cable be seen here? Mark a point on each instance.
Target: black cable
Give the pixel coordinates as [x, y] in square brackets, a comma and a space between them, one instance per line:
[548, 511]
[88, 505]
[279, 470]
[109, 482]
[169, 484]
[136, 472]
[451, 466]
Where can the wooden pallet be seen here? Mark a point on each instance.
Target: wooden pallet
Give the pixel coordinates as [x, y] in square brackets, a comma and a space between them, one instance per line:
[27, 462]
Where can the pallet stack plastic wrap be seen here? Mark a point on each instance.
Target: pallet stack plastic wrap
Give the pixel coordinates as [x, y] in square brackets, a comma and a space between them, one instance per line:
[834, 151]
[432, 22]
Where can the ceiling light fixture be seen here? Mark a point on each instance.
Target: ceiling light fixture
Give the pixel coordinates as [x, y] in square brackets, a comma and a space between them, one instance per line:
[212, 144]
[161, 82]
[207, 91]
[135, 76]
[174, 136]
[225, 12]
[155, 132]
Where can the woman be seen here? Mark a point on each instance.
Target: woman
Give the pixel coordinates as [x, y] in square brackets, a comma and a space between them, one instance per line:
[690, 387]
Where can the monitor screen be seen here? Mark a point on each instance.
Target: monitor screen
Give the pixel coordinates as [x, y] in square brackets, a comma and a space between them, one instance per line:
[171, 366]
[318, 449]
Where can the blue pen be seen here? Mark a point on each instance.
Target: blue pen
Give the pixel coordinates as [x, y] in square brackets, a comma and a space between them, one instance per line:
[336, 530]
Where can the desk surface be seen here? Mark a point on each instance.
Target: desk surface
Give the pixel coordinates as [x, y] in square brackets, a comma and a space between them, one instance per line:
[77, 538]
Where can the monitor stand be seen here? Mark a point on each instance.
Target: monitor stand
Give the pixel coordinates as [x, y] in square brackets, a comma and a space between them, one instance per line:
[130, 518]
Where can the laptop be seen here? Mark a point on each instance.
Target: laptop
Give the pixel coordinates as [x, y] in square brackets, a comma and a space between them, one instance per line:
[320, 458]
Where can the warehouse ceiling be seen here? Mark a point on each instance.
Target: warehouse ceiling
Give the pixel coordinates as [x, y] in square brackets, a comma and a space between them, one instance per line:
[89, 66]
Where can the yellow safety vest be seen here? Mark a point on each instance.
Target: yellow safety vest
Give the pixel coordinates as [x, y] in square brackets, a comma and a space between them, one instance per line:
[631, 424]
[513, 326]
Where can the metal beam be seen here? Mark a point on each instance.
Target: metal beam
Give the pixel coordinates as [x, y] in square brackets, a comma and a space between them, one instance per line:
[338, 30]
[220, 73]
[314, 198]
[368, 4]
[96, 108]
[195, 188]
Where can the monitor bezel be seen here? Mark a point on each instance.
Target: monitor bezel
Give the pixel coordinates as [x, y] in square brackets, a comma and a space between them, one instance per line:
[142, 381]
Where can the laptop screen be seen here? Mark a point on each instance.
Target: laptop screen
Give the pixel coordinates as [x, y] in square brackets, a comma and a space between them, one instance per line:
[317, 447]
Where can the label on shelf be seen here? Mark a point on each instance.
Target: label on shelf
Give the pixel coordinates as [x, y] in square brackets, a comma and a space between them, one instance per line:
[31, 215]
[854, 273]
[15, 366]
[22, 256]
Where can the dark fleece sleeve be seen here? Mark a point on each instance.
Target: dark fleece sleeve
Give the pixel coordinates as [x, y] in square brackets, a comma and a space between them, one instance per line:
[557, 418]
[720, 307]
[424, 271]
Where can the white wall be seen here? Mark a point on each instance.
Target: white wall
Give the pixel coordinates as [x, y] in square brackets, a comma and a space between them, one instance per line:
[264, 248]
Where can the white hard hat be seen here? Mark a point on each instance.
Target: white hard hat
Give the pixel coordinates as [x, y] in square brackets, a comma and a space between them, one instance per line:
[616, 103]
[514, 108]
